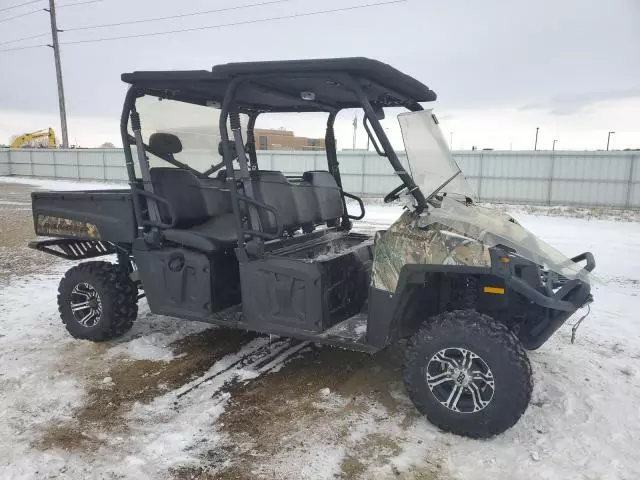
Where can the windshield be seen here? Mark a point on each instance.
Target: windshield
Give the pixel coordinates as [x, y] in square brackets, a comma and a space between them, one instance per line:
[432, 166]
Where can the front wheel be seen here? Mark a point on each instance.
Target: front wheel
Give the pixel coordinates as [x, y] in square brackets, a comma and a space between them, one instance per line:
[97, 301]
[468, 374]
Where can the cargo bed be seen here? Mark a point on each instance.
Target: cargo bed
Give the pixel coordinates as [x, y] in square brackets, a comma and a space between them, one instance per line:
[87, 215]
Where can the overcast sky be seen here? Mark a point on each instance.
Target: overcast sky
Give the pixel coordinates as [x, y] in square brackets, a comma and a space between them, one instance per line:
[500, 68]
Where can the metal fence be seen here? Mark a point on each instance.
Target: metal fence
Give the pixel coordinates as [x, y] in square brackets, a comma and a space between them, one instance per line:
[609, 179]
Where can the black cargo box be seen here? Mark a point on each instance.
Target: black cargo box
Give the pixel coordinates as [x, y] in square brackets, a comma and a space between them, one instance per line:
[310, 288]
[91, 215]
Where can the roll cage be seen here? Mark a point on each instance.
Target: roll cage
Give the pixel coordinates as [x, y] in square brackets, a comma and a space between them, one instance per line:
[252, 88]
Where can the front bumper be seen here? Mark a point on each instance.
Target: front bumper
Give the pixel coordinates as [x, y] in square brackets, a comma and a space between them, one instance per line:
[551, 308]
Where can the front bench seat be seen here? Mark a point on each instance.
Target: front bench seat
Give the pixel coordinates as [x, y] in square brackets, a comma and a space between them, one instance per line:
[194, 227]
[328, 195]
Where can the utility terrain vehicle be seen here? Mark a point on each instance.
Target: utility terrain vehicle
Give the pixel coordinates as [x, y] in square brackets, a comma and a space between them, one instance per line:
[232, 244]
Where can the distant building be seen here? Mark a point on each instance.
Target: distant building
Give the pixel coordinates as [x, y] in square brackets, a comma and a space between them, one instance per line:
[267, 139]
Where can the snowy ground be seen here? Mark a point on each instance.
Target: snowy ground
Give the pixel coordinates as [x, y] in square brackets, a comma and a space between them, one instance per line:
[175, 399]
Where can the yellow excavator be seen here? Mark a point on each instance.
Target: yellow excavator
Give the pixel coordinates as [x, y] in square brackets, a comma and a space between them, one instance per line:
[39, 139]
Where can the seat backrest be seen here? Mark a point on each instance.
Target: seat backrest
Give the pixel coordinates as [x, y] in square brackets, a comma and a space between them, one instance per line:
[182, 190]
[306, 203]
[328, 195]
[273, 189]
[216, 196]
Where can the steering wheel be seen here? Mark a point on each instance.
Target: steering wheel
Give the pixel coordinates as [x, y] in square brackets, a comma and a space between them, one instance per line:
[394, 194]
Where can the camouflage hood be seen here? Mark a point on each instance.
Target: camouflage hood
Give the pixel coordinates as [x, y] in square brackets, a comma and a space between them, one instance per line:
[459, 234]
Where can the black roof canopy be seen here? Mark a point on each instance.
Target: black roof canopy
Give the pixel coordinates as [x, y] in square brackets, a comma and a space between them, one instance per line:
[278, 85]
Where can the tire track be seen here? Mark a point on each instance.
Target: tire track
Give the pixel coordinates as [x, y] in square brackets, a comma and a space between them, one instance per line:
[256, 358]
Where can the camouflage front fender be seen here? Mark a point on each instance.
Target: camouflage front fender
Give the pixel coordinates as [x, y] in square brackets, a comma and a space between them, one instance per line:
[405, 243]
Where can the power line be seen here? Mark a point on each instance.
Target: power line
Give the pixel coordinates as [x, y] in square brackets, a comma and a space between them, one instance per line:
[23, 48]
[19, 5]
[78, 3]
[220, 25]
[25, 38]
[233, 24]
[31, 12]
[157, 19]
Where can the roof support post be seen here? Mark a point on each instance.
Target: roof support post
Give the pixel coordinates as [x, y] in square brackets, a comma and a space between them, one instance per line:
[334, 167]
[129, 104]
[143, 161]
[251, 142]
[348, 81]
[229, 96]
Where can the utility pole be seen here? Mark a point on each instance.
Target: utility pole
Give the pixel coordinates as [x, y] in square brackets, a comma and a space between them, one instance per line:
[609, 139]
[535, 145]
[56, 55]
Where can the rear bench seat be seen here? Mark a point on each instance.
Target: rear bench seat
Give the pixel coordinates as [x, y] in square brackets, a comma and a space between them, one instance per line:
[205, 219]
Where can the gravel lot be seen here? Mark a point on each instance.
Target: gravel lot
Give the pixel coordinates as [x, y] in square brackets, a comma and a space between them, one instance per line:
[17, 229]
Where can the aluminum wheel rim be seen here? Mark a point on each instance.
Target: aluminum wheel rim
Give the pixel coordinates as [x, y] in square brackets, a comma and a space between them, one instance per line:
[460, 380]
[85, 305]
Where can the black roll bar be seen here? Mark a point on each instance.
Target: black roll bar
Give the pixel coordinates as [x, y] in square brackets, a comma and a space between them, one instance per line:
[372, 138]
[227, 157]
[129, 102]
[251, 143]
[334, 166]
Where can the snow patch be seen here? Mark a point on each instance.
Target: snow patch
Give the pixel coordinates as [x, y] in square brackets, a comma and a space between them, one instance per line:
[69, 185]
[149, 347]
[582, 421]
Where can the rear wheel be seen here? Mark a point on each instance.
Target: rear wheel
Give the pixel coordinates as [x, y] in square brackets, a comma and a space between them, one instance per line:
[97, 301]
[468, 374]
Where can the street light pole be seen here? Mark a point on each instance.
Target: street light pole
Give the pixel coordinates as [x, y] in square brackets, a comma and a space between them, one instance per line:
[609, 139]
[451, 140]
[535, 145]
[554, 145]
